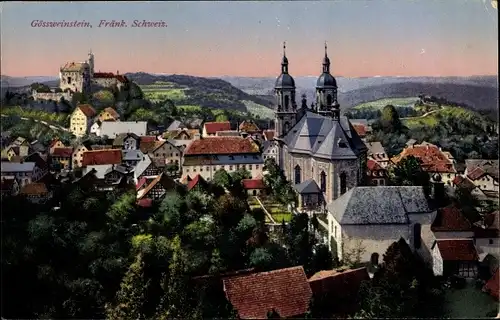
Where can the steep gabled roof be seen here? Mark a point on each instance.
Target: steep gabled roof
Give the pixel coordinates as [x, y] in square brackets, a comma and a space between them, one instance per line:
[340, 283]
[379, 205]
[196, 181]
[285, 290]
[249, 127]
[87, 110]
[457, 250]
[307, 187]
[213, 127]
[112, 112]
[450, 219]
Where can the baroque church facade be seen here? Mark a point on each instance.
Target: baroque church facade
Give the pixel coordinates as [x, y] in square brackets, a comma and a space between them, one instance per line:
[319, 150]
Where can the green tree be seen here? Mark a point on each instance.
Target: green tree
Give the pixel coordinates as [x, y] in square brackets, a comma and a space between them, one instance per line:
[131, 297]
[408, 172]
[222, 179]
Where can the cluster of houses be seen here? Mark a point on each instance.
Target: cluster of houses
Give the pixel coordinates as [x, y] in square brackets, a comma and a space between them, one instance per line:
[363, 219]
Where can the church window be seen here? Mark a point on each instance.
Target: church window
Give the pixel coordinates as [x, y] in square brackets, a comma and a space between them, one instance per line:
[69, 80]
[286, 127]
[343, 183]
[417, 228]
[329, 100]
[287, 102]
[297, 174]
[323, 181]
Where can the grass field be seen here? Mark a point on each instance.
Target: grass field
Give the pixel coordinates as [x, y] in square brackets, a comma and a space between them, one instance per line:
[380, 104]
[432, 120]
[278, 211]
[163, 93]
[468, 303]
[257, 109]
[39, 115]
[189, 108]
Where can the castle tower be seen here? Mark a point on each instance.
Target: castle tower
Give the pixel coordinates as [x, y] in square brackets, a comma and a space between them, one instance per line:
[326, 89]
[91, 63]
[284, 90]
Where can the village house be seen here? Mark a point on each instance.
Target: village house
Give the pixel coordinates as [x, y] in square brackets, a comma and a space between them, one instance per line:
[230, 133]
[77, 156]
[9, 186]
[337, 290]
[210, 128]
[109, 79]
[376, 174]
[81, 120]
[62, 157]
[155, 190]
[111, 129]
[433, 160]
[40, 163]
[455, 257]
[132, 157]
[251, 296]
[268, 135]
[360, 129]
[146, 169]
[24, 172]
[367, 220]
[483, 173]
[486, 235]
[182, 134]
[206, 156]
[127, 141]
[270, 150]
[102, 157]
[248, 127]
[55, 143]
[108, 114]
[163, 152]
[107, 177]
[35, 192]
[197, 183]
[38, 147]
[18, 148]
[450, 223]
[377, 153]
[254, 187]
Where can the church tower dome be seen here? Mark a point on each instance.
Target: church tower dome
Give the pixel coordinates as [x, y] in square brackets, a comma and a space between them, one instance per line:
[284, 80]
[326, 89]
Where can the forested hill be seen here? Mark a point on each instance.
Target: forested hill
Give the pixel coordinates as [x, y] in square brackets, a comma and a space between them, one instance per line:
[203, 87]
[483, 99]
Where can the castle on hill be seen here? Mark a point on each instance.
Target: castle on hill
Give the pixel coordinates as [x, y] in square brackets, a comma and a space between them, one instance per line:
[80, 77]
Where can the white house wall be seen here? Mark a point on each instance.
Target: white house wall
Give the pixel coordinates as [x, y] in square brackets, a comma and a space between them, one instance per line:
[437, 261]
[483, 246]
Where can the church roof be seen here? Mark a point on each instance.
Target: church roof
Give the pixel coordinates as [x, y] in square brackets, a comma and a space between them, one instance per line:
[379, 205]
[323, 137]
[285, 81]
[307, 187]
[326, 80]
[73, 66]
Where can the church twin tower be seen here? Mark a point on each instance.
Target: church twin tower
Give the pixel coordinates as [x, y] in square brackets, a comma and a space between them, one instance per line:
[287, 112]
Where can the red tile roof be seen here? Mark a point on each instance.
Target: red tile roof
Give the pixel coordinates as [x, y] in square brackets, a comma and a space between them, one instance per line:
[433, 159]
[339, 283]
[110, 75]
[112, 112]
[53, 142]
[253, 184]
[148, 138]
[196, 181]
[450, 219]
[62, 152]
[34, 189]
[476, 173]
[87, 110]
[97, 157]
[493, 285]
[249, 126]
[221, 145]
[360, 129]
[269, 134]
[213, 127]
[121, 78]
[373, 165]
[463, 182]
[457, 250]
[286, 291]
[489, 227]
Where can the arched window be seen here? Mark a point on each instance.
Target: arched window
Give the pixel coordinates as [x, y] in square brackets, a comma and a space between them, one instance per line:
[329, 100]
[374, 259]
[343, 183]
[287, 102]
[417, 228]
[297, 174]
[323, 181]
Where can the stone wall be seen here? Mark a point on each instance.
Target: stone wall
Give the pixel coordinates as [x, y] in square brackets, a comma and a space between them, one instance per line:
[54, 96]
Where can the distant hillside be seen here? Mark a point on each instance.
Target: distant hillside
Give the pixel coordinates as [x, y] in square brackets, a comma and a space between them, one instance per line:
[483, 99]
[7, 81]
[196, 91]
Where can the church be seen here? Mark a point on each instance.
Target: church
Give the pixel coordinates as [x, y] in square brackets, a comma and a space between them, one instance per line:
[319, 150]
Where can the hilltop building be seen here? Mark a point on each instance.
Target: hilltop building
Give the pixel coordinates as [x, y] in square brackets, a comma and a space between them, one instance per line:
[316, 144]
[80, 77]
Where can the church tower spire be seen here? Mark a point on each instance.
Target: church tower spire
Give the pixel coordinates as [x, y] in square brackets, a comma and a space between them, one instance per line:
[284, 91]
[91, 63]
[326, 90]
[326, 61]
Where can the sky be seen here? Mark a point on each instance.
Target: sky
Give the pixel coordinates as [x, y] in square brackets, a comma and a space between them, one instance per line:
[365, 38]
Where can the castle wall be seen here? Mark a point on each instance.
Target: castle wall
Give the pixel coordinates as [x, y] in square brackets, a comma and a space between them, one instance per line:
[54, 96]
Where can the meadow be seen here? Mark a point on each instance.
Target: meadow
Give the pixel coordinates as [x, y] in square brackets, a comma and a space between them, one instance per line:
[380, 104]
